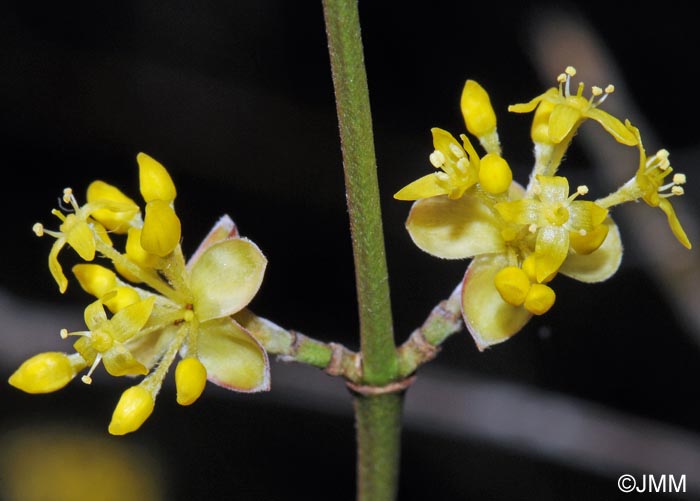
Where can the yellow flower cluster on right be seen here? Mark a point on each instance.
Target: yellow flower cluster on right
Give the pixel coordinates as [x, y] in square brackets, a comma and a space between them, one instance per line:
[520, 238]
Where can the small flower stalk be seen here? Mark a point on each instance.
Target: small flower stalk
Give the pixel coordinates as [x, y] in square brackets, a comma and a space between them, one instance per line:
[153, 306]
[519, 238]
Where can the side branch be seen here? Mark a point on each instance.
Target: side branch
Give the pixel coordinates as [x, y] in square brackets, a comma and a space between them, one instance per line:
[424, 343]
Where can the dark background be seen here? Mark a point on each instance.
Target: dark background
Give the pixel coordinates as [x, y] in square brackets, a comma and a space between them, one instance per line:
[236, 99]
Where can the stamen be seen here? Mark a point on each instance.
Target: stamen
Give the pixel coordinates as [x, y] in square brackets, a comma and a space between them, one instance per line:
[38, 229]
[462, 165]
[677, 190]
[87, 379]
[596, 91]
[561, 78]
[532, 228]
[610, 89]
[570, 70]
[442, 176]
[679, 178]
[457, 151]
[67, 195]
[64, 333]
[581, 86]
[437, 159]
[582, 190]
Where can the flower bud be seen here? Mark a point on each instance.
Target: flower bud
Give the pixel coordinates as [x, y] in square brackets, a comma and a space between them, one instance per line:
[477, 110]
[135, 406]
[95, 279]
[43, 373]
[154, 180]
[190, 379]
[495, 175]
[512, 284]
[161, 228]
[114, 220]
[540, 298]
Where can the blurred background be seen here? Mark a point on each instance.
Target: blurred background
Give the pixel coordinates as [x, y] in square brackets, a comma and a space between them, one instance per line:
[236, 100]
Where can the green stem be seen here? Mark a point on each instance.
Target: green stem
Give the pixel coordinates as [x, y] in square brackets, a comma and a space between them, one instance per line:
[362, 190]
[378, 444]
[378, 417]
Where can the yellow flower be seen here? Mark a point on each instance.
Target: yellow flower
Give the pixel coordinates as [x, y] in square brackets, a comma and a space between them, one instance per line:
[460, 166]
[570, 110]
[180, 308]
[552, 215]
[471, 227]
[518, 239]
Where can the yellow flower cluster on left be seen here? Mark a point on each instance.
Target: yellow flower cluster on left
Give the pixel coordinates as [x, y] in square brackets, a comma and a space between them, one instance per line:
[520, 238]
[154, 305]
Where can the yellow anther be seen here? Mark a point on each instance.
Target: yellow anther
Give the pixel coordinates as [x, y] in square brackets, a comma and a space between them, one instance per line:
[662, 154]
[570, 70]
[64, 333]
[596, 91]
[462, 165]
[512, 284]
[38, 229]
[677, 190]
[582, 190]
[437, 159]
[457, 150]
[540, 298]
[610, 89]
[495, 175]
[67, 195]
[679, 178]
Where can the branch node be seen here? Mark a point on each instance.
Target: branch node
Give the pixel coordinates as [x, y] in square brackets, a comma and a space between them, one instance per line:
[369, 391]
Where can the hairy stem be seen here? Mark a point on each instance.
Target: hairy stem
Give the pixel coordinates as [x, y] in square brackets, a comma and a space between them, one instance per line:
[378, 417]
[362, 190]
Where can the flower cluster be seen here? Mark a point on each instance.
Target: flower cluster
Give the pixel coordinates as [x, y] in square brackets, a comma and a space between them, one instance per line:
[154, 306]
[519, 237]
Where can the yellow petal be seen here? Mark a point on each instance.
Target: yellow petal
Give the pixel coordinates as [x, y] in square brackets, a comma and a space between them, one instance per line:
[454, 229]
[551, 93]
[154, 181]
[232, 357]
[94, 315]
[190, 380]
[425, 187]
[55, 266]
[539, 131]
[119, 361]
[127, 321]
[674, 223]
[600, 264]
[81, 238]
[135, 406]
[562, 121]
[226, 278]
[44, 373]
[551, 249]
[489, 319]
[477, 111]
[611, 124]
[161, 229]
[586, 215]
[553, 189]
[591, 241]
[523, 211]
[446, 143]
